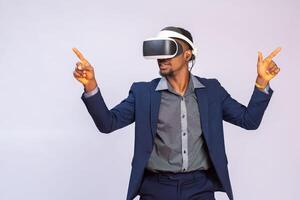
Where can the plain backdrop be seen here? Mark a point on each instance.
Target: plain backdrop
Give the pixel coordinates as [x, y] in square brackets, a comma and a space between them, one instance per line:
[51, 150]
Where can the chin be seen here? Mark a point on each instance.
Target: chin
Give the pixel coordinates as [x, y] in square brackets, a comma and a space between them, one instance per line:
[166, 73]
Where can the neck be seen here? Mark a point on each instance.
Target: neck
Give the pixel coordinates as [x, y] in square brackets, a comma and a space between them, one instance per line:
[179, 81]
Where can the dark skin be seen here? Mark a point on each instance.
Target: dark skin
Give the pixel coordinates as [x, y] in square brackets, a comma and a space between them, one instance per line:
[176, 70]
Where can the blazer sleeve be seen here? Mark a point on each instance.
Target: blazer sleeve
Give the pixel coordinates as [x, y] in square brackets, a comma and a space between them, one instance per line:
[236, 113]
[118, 117]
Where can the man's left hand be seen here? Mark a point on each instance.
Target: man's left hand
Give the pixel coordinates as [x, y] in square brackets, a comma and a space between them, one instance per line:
[267, 68]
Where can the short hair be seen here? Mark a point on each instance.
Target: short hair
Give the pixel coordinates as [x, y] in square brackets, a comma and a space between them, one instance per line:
[182, 31]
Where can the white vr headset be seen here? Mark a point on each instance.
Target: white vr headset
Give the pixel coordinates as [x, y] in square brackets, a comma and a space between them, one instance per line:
[163, 46]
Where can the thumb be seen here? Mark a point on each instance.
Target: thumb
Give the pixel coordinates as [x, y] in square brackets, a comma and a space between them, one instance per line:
[260, 57]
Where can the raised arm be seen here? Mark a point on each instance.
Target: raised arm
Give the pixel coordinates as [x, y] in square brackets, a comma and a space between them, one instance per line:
[250, 117]
[106, 120]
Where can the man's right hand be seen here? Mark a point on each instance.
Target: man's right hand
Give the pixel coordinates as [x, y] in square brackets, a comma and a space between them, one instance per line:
[84, 72]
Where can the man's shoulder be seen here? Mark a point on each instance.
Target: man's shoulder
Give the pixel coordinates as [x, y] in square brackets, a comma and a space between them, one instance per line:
[153, 81]
[145, 84]
[208, 82]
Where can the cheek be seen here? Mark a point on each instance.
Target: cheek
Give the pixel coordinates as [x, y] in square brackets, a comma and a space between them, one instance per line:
[177, 62]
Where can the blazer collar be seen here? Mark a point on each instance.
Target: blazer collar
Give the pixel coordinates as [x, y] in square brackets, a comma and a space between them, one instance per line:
[163, 83]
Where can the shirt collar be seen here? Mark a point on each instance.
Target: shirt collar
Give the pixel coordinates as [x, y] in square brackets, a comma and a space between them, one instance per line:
[163, 83]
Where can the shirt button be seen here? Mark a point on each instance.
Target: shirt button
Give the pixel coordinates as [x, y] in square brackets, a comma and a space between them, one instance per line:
[184, 169]
[184, 134]
[183, 116]
[184, 151]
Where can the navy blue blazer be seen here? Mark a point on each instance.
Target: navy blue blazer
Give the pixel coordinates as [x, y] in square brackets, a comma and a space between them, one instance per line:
[142, 107]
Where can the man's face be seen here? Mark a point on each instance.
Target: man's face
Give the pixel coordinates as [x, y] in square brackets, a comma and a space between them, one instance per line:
[171, 66]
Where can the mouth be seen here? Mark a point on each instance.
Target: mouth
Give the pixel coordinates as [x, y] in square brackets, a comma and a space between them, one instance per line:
[163, 64]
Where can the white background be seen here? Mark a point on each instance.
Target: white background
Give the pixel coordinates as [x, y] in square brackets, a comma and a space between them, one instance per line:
[51, 150]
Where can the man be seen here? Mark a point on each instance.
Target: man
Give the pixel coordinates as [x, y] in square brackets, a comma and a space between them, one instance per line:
[179, 148]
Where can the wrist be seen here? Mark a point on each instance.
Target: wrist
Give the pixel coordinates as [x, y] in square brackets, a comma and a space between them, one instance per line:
[261, 83]
[90, 86]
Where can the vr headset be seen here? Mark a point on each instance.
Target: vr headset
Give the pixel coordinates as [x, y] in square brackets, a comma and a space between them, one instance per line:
[163, 46]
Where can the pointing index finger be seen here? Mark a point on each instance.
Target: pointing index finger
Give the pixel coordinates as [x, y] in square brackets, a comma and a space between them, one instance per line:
[274, 53]
[79, 54]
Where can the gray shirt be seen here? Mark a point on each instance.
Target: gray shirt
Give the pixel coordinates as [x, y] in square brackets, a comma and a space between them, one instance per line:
[179, 144]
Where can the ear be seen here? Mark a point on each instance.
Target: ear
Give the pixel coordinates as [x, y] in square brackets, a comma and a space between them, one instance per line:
[188, 55]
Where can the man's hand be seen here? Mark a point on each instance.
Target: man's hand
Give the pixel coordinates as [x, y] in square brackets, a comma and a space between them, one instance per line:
[84, 72]
[266, 68]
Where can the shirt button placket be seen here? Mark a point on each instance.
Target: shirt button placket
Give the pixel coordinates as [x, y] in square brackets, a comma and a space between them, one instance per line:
[184, 136]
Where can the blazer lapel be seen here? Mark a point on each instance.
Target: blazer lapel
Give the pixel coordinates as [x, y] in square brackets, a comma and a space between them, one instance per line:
[201, 94]
[155, 98]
